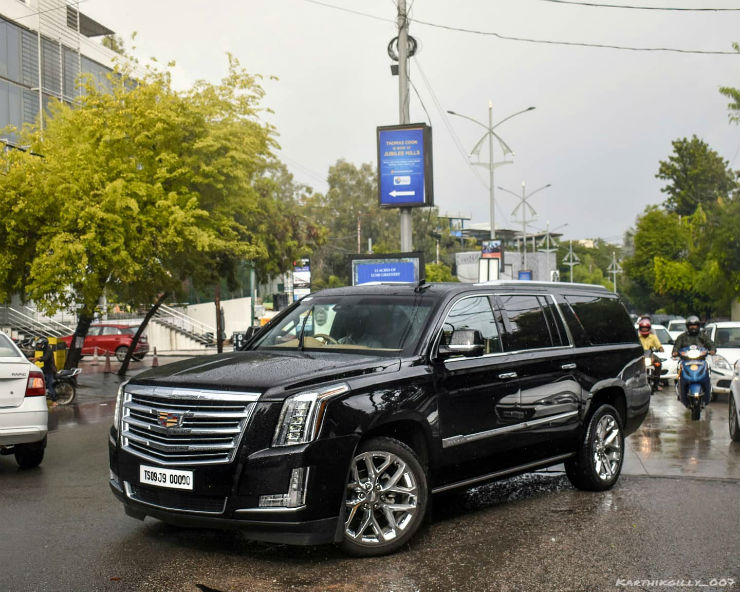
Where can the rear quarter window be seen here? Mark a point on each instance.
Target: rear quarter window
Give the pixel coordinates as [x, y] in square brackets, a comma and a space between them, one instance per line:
[604, 320]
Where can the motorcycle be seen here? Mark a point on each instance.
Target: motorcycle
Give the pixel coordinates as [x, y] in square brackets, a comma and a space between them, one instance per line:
[653, 368]
[694, 370]
[65, 385]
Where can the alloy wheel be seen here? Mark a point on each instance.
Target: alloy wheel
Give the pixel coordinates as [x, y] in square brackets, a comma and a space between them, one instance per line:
[607, 448]
[382, 498]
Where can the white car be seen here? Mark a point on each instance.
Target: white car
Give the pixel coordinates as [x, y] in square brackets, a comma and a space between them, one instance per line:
[734, 415]
[24, 415]
[726, 337]
[675, 327]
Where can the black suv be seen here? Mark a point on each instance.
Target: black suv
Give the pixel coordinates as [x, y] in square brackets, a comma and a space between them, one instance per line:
[342, 416]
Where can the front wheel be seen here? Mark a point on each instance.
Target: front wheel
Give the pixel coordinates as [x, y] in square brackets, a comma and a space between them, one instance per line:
[598, 462]
[695, 409]
[734, 427]
[65, 392]
[29, 456]
[386, 498]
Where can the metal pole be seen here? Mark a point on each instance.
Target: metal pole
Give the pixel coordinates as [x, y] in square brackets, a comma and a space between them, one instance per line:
[403, 109]
[490, 168]
[252, 293]
[524, 227]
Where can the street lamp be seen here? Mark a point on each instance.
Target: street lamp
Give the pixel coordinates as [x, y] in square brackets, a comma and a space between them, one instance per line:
[490, 134]
[524, 206]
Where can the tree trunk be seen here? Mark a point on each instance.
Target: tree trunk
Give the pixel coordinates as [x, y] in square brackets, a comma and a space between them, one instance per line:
[124, 365]
[75, 351]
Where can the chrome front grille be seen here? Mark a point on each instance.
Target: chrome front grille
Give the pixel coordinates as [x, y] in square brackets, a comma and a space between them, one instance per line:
[177, 426]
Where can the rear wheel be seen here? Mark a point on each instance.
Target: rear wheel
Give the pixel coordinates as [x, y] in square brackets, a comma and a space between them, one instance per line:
[121, 353]
[734, 427]
[65, 392]
[29, 456]
[386, 498]
[598, 462]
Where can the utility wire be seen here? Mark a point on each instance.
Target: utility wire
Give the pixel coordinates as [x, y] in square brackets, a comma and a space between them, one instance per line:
[525, 39]
[570, 43]
[597, 5]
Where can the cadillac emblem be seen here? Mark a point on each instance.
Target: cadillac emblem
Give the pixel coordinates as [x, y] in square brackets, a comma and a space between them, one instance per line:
[170, 420]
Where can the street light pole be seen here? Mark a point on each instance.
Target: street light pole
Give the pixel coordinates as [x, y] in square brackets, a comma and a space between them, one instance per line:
[524, 206]
[490, 134]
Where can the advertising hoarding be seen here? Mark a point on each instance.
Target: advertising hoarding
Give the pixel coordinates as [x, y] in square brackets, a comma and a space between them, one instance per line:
[387, 268]
[405, 166]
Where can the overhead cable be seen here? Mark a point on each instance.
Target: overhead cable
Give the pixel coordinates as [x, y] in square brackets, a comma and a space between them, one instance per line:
[671, 8]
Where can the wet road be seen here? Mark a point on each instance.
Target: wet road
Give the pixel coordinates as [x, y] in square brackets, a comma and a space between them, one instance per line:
[673, 516]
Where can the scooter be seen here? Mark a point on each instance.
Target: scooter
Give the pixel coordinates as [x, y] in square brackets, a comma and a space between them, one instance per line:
[653, 367]
[65, 385]
[694, 370]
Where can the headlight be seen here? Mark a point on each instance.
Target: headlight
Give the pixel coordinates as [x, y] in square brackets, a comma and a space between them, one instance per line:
[648, 362]
[300, 418]
[721, 363]
[119, 403]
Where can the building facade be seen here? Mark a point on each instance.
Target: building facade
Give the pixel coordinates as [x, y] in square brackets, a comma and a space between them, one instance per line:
[44, 46]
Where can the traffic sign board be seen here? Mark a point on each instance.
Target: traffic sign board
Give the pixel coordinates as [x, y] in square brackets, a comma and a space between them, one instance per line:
[405, 165]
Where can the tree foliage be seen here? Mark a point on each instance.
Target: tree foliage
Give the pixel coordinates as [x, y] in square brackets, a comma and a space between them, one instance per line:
[695, 175]
[734, 95]
[140, 187]
[594, 262]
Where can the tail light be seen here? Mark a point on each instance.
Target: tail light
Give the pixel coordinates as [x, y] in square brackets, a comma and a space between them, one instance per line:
[35, 387]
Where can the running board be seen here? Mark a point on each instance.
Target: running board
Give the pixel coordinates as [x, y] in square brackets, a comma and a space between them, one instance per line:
[519, 469]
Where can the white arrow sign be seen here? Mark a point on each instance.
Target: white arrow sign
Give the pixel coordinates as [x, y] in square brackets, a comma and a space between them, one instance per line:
[395, 193]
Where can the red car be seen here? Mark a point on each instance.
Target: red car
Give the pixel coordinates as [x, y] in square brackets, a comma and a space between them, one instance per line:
[115, 339]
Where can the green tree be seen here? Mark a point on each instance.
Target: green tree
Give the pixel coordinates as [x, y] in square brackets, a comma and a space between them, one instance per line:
[734, 95]
[139, 187]
[695, 174]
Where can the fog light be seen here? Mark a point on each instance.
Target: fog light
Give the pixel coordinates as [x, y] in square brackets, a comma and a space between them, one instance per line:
[296, 495]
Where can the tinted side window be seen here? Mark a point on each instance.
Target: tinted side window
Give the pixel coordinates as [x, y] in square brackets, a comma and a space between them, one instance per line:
[605, 320]
[554, 322]
[474, 313]
[527, 325]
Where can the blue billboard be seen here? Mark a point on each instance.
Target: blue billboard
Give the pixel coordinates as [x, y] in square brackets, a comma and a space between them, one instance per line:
[387, 268]
[405, 165]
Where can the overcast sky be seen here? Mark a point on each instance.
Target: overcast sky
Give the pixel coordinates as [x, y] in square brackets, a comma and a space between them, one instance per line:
[604, 118]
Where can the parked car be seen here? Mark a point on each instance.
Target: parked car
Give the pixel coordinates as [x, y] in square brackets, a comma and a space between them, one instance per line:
[675, 327]
[341, 417]
[726, 336]
[24, 415]
[734, 411]
[113, 339]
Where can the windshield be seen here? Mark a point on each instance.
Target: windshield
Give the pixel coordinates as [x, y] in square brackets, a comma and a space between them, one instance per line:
[728, 337]
[677, 326]
[387, 325]
[662, 335]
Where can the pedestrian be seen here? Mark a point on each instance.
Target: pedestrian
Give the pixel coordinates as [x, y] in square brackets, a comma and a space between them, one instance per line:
[49, 368]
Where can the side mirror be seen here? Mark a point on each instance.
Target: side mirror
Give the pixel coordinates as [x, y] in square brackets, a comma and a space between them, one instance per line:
[463, 342]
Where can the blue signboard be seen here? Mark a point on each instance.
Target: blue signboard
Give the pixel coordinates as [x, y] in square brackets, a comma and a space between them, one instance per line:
[387, 268]
[525, 274]
[386, 271]
[404, 165]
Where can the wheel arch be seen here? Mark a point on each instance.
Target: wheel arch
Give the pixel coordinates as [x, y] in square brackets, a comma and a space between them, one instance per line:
[610, 395]
[410, 432]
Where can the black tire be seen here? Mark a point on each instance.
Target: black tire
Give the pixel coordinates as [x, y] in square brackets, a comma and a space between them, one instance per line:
[695, 410]
[598, 462]
[29, 456]
[734, 427]
[121, 353]
[370, 499]
[65, 392]
[138, 357]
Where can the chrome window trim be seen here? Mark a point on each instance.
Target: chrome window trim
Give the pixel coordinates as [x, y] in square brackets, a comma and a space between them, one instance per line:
[465, 439]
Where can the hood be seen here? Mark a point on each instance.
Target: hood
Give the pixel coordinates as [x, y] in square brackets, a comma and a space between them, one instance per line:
[263, 370]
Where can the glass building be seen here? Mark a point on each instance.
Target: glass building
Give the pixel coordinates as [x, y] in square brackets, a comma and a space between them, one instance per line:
[44, 46]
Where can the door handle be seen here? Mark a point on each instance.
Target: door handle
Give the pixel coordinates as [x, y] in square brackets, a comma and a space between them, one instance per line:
[505, 375]
[569, 366]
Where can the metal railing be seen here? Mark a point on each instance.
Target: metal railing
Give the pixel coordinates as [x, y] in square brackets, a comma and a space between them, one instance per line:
[33, 323]
[179, 321]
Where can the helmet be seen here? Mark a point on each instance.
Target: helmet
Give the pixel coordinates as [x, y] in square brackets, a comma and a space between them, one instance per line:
[644, 326]
[692, 325]
[41, 343]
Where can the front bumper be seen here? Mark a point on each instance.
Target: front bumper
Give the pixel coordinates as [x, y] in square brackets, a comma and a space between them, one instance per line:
[721, 381]
[228, 495]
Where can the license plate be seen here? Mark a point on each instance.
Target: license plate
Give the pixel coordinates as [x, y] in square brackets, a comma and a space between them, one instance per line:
[170, 478]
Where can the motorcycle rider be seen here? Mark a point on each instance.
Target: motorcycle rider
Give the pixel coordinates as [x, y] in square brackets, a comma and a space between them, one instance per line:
[49, 367]
[692, 336]
[649, 340]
